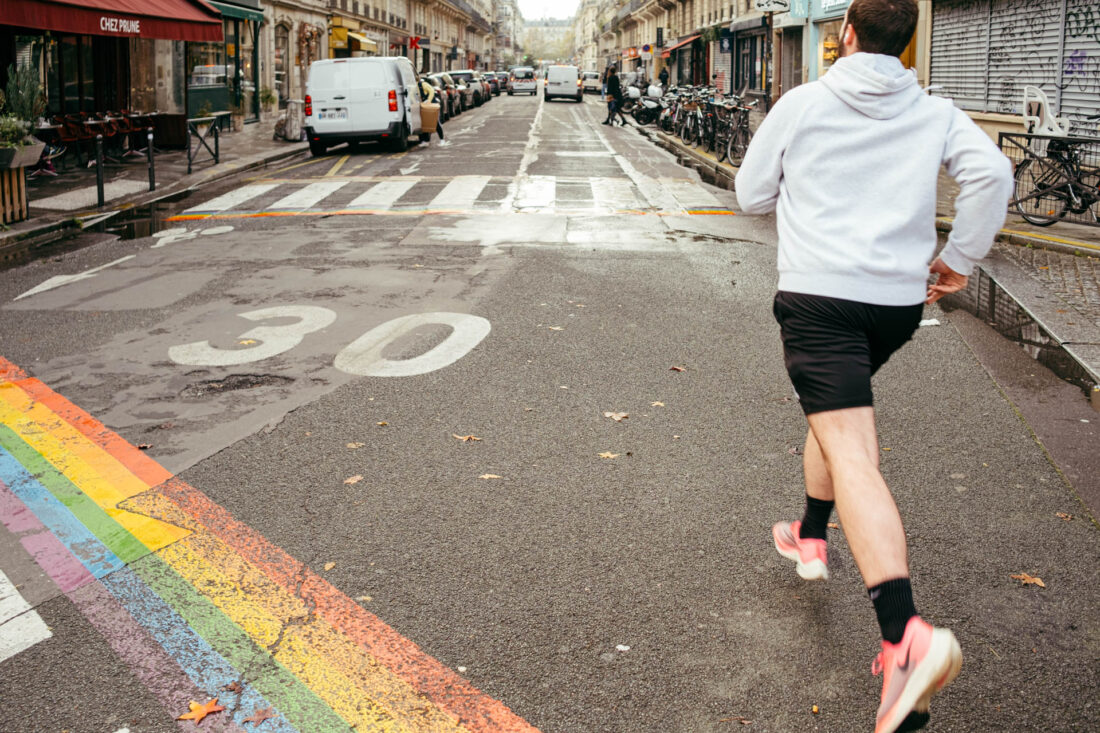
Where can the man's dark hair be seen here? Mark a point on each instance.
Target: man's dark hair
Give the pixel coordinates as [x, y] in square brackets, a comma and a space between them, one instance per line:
[883, 26]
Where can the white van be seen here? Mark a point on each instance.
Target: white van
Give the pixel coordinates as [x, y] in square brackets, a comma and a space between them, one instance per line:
[362, 99]
[521, 80]
[564, 81]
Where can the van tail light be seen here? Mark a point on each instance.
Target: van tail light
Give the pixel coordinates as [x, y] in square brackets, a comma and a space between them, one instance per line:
[309, 106]
[393, 101]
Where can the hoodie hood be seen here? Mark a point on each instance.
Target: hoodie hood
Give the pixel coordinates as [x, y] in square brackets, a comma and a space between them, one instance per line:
[873, 84]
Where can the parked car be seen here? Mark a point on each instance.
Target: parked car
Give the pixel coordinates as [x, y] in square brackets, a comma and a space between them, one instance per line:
[476, 84]
[590, 81]
[563, 81]
[452, 101]
[521, 80]
[344, 102]
[494, 82]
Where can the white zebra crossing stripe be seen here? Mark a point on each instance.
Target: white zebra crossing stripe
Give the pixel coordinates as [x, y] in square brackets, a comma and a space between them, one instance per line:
[232, 199]
[536, 192]
[384, 194]
[305, 198]
[20, 626]
[691, 195]
[461, 193]
[613, 193]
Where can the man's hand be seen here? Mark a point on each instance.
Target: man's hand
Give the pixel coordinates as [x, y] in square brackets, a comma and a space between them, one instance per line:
[947, 281]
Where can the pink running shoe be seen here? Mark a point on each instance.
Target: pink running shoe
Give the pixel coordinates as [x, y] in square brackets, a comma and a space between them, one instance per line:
[913, 670]
[809, 553]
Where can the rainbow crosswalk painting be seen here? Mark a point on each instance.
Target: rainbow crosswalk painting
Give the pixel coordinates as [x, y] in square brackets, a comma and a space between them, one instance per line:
[200, 605]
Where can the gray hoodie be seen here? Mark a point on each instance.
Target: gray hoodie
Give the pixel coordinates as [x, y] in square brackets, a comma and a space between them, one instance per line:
[849, 164]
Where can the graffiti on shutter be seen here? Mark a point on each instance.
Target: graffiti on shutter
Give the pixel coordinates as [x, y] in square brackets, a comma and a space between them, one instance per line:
[723, 64]
[960, 29]
[1081, 66]
[1023, 51]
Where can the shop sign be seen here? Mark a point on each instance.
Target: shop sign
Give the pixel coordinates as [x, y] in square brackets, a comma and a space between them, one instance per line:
[630, 53]
[800, 8]
[419, 42]
[827, 5]
[338, 37]
[122, 26]
[773, 6]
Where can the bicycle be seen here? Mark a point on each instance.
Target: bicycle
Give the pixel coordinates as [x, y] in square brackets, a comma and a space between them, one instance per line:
[1051, 185]
[740, 135]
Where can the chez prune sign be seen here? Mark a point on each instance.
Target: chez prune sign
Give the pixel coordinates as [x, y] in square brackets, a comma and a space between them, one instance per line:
[119, 25]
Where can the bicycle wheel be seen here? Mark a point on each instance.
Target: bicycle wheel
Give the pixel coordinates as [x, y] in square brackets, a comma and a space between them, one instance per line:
[708, 133]
[1040, 209]
[738, 144]
[687, 130]
[722, 140]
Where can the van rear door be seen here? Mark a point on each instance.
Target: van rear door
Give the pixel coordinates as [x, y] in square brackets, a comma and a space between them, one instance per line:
[328, 91]
[369, 84]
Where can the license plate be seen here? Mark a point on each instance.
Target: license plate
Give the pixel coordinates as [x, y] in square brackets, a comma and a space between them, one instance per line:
[334, 114]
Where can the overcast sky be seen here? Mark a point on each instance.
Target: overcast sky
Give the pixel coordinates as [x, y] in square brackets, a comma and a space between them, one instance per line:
[532, 9]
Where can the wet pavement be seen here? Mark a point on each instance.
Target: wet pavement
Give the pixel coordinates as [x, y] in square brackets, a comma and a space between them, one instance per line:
[347, 418]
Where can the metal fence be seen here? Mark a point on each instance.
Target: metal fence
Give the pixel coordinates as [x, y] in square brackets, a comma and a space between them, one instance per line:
[1057, 178]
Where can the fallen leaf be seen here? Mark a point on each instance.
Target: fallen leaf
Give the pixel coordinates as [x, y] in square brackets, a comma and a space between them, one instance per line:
[382, 424]
[489, 475]
[260, 716]
[353, 446]
[198, 712]
[364, 599]
[616, 416]
[833, 525]
[353, 479]
[329, 566]
[145, 446]
[676, 369]
[887, 449]
[738, 719]
[814, 710]
[580, 305]
[675, 437]
[609, 454]
[556, 328]
[247, 342]
[622, 647]
[461, 670]
[795, 451]
[466, 438]
[234, 686]
[1026, 579]
[656, 404]
[1063, 515]
[1044, 268]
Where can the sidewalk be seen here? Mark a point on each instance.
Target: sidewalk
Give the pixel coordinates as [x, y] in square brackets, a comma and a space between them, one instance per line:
[1039, 287]
[61, 202]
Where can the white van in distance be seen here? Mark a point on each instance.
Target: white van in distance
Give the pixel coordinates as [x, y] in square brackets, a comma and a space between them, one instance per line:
[362, 99]
[564, 81]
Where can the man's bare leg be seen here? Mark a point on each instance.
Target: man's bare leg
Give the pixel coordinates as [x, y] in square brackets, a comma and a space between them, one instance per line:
[848, 443]
[818, 483]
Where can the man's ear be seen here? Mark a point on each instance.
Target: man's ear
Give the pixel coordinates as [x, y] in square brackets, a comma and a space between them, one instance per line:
[849, 38]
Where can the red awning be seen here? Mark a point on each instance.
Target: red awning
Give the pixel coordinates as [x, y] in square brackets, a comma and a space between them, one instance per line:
[670, 49]
[177, 20]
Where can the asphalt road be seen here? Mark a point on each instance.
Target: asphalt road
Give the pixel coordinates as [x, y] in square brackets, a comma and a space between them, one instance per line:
[306, 350]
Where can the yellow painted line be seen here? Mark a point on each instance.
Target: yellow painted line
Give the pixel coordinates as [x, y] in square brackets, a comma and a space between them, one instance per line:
[339, 164]
[429, 212]
[276, 635]
[82, 462]
[208, 556]
[1037, 235]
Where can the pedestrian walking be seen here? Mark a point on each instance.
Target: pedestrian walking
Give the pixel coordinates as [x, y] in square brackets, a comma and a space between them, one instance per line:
[603, 83]
[427, 94]
[663, 76]
[849, 164]
[614, 98]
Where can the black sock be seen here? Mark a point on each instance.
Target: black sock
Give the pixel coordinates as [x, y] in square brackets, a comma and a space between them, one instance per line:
[894, 607]
[815, 522]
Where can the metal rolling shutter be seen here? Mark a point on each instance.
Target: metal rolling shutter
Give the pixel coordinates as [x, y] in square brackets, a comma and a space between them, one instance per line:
[960, 33]
[1023, 51]
[723, 67]
[1081, 65]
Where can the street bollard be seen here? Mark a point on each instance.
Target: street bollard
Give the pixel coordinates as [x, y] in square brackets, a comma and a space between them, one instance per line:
[217, 148]
[99, 169]
[188, 148]
[152, 167]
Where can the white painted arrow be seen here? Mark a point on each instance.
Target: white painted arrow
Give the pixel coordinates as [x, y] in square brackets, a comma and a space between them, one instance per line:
[59, 280]
[411, 169]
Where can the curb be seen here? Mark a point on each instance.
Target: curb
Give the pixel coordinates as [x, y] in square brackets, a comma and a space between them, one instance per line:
[13, 242]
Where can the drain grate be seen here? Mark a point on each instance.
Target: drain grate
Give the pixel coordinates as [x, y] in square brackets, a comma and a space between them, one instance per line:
[232, 383]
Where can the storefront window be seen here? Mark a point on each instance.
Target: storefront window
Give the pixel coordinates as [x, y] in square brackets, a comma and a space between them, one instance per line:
[206, 64]
[247, 69]
[282, 48]
[829, 35]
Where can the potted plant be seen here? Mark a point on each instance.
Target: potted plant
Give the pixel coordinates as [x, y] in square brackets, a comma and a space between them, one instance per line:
[23, 102]
[268, 98]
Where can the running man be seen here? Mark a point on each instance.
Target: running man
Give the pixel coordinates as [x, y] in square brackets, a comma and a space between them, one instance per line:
[849, 164]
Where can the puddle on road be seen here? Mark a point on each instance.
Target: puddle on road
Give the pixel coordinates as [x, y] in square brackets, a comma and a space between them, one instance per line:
[232, 383]
[143, 221]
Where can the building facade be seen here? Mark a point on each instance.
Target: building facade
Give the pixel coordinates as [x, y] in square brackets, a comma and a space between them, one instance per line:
[980, 53]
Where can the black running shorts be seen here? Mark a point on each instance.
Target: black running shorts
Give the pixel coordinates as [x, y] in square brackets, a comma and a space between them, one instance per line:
[832, 346]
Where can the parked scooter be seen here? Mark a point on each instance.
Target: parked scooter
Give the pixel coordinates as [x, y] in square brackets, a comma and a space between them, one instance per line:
[648, 108]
